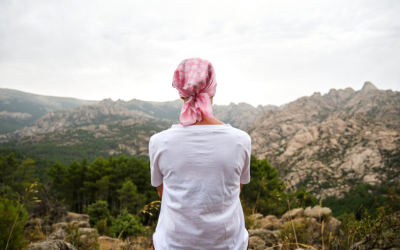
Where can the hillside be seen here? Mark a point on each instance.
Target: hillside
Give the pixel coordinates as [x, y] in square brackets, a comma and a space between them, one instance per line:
[110, 128]
[332, 142]
[327, 143]
[18, 109]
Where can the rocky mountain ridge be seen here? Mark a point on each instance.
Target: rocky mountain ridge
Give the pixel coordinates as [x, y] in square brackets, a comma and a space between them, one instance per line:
[327, 143]
[19, 109]
[112, 127]
[239, 115]
[332, 142]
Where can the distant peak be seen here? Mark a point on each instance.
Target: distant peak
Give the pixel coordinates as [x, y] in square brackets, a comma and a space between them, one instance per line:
[369, 86]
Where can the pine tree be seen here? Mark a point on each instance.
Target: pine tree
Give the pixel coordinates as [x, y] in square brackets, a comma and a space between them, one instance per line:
[130, 198]
[8, 167]
[25, 176]
[265, 191]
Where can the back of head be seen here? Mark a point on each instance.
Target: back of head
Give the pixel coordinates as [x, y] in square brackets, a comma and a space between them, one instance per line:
[195, 79]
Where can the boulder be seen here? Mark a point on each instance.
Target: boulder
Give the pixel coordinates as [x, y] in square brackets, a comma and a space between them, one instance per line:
[271, 217]
[74, 224]
[107, 239]
[255, 217]
[332, 226]
[82, 224]
[269, 223]
[292, 214]
[61, 225]
[256, 243]
[58, 234]
[270, 238]
[139, 243]
[319, 213]
[263, 223]
[51, 244]
[76, 217]
[108, 243]
[84, 231]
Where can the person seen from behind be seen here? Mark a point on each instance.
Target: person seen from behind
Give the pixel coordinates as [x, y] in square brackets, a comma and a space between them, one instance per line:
[199, 167]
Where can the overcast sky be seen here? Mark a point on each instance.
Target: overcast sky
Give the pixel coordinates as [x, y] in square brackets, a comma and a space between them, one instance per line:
[263, 52]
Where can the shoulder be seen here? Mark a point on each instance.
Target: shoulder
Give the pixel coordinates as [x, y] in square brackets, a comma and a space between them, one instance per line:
[242, 134]
[156, 137]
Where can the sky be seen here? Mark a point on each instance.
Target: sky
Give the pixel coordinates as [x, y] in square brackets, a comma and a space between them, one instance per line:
[264, 52]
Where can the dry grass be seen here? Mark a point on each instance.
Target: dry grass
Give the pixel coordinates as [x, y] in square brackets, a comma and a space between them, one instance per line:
[138, 243]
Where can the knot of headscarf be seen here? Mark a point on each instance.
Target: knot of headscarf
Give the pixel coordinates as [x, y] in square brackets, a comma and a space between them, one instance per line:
[195, 79]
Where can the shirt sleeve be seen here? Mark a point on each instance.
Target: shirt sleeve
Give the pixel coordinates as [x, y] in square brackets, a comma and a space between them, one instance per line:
[245, 176]
[156, 175]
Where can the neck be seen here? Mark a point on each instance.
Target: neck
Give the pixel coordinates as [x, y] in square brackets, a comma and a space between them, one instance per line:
[207, 121]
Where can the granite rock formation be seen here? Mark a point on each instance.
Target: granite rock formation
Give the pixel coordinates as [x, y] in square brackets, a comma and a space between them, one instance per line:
[332, 142]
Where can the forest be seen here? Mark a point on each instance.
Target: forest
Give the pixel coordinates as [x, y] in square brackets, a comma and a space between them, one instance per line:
[117, 195]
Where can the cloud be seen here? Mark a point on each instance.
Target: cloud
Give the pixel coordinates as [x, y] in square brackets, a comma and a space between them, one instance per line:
[264, 52]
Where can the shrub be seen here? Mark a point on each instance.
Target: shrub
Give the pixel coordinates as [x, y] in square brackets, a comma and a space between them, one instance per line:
[9, 213]
[128, 225]
[99, 211]
[263, 193]
[381, 231]
[102, 227]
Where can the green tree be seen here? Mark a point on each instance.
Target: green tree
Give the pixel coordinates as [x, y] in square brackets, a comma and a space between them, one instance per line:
[302, 198]
[8, 167]
[8, 215]
[57, 174]
[98, 211]
[95, 172]
[128, 225]
[103, 186]
[74, 186]
[25, 176]
[265, 192]
[130, 198]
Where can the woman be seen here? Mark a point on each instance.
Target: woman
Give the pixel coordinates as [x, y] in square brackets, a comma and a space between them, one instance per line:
[199, 167]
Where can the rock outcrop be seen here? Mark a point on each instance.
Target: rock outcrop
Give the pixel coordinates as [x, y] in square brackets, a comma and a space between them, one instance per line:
[56, 226]
[240, 115]
[51, 244]
[332, 142]
[312, 223]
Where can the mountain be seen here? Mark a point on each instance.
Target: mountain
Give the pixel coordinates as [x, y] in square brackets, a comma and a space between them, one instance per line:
[332, 142]
[18, 109]
[110, 127]
[23, 114]
[240, 115]
[326, 143]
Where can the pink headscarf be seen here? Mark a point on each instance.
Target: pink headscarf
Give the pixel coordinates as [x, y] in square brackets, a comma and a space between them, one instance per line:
[195, 79]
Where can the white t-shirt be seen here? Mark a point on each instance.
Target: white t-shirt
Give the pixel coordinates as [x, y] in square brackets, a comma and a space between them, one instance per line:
[201, 168]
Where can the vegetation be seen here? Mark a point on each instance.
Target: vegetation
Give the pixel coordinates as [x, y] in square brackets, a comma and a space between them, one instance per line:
[114, 191]
[74, 237]
[127, 225]
[12, 218]
[266, 194]
[359, 198]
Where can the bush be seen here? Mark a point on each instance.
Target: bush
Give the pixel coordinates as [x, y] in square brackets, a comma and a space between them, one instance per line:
[102, 227]
[9, 211]
[264, 192]
[302, 198]
[381, 231]
[128, 225]
[99, 211]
